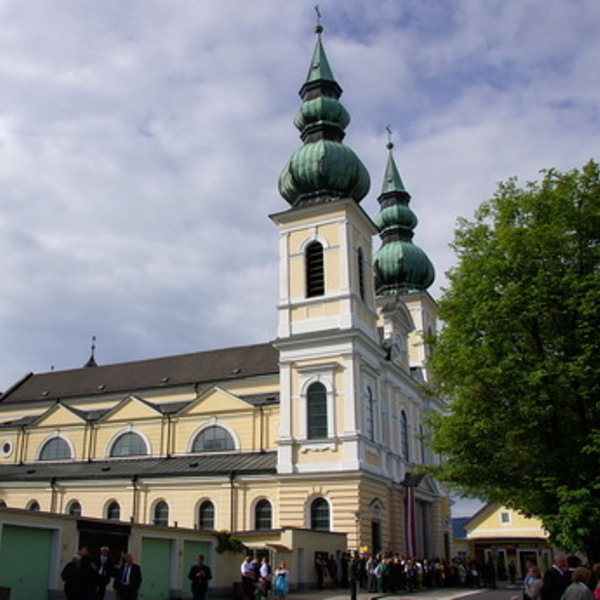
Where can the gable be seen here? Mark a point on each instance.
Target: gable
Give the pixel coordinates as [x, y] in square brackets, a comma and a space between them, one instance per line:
[131, 408]
[58, 416]
[214, 401]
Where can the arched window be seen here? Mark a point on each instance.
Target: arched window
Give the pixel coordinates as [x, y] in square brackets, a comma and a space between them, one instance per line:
[113, 511]
[129, 444]
[213, 439]
[33, 505]
[161, 514]
[206, 516]
[2, 504]
[370, 415]
[74, 509]
[404, 435]
[55, 449]
[263, 515]
[361, 273]
[315, 271]
[319, 515]
[316, 404]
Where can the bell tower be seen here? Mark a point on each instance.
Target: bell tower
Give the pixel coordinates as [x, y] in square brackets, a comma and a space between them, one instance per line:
[327, 313]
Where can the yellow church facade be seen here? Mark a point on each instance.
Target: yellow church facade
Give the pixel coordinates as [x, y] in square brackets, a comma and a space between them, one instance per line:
[321, 428]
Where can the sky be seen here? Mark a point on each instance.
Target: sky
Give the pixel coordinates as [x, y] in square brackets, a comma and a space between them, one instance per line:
[141, 144]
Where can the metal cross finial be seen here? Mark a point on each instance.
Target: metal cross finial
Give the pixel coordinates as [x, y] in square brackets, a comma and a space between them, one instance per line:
[319, 27]
[389, 144]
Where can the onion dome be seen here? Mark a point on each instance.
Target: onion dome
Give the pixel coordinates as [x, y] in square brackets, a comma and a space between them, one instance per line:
[323, 169]
[400, 265]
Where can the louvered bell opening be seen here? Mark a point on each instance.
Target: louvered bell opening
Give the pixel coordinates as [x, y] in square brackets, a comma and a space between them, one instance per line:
[315, 272]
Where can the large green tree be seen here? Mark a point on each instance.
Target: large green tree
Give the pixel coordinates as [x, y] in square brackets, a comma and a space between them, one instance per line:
[518, 357]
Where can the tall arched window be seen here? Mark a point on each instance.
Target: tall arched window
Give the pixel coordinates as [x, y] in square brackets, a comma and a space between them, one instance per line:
[316, 405]
[319, 515]
[129, 444]
[161, 514]
[55, 449]
[404, 435]
[213, 439]
[113, 511]
[263, 515]
[206, 516]
[74, 509]
[315, 270]
[361, 273]
[370, 415]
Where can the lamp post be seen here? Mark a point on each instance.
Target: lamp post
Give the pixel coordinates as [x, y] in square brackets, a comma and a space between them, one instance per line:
[357, 521]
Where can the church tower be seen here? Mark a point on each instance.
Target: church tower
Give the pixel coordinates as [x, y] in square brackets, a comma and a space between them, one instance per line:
[327, 313]
[403, 273]
[351, 409]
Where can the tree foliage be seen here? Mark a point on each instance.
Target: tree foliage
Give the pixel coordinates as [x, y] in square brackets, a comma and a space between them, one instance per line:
[519, 355]
[227, 542]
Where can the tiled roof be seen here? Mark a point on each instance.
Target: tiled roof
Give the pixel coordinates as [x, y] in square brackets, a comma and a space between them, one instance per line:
[170, 371]
[189, 465]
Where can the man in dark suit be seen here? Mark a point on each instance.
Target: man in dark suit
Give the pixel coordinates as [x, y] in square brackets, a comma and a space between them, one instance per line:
[556, 579]
[128, 579]
[200, 574]
[105, 571]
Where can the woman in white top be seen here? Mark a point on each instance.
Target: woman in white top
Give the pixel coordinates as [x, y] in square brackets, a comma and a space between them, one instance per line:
[533, 584]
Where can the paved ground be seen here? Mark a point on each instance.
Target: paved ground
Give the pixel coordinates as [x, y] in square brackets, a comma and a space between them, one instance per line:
[500, 593]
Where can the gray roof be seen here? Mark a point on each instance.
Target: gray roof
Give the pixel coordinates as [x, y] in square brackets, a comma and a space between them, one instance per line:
[242, 463]
[170, 371]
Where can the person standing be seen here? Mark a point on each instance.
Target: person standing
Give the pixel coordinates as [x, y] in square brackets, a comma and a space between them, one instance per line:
[556, 579]
[579, 590]
[596, 574]
[248, 578]
[281, 581]
[532, 584]
[70, 575]
[106, 571]
[354, 576]
[128, 579]
[320, 566]
[266, 573]
[200, 574]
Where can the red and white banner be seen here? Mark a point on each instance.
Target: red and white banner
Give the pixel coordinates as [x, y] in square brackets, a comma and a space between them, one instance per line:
[410, 522]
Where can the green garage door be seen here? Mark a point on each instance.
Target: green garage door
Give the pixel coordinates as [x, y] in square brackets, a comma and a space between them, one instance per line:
[156, 561]
[25, 555]
[190, 555]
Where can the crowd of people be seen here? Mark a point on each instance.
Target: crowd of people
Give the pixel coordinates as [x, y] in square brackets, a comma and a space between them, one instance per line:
[390, 573]
[87, 579]
[260, 581]
[562, 582]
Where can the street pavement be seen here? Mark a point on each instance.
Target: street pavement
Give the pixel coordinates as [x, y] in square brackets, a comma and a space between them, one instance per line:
[503, 592]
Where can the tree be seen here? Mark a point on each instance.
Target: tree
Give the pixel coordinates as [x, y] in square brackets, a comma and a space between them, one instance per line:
[519, 355]
[227, 542]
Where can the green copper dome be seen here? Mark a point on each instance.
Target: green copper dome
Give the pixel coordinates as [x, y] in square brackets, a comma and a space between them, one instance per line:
[400, 265]
[323, 169]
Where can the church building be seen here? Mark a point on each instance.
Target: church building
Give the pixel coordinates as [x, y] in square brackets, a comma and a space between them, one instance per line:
[321, 428]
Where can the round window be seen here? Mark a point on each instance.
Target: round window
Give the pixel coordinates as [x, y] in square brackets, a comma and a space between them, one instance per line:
[7, 448]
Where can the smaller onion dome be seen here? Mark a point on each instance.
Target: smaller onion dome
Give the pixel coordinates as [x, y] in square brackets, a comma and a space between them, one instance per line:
[400, 265]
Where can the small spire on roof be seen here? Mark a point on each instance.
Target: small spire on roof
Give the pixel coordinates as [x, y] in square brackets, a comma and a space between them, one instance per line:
[92, 361]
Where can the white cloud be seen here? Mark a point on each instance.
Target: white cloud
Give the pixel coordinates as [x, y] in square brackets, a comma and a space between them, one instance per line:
[140, 145]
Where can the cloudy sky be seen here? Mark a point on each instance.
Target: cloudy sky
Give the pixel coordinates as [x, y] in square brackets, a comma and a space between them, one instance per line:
[141, 142]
